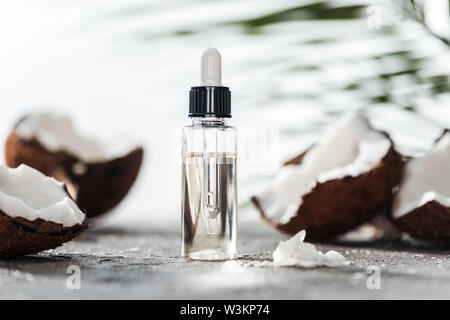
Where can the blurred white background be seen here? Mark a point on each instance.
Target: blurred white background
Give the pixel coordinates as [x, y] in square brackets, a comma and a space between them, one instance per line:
[125, 68]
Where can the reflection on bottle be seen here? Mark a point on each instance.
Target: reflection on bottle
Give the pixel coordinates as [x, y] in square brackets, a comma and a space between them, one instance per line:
[212, 213]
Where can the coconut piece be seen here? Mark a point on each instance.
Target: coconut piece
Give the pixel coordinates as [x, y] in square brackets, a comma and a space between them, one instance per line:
[379, 228]
[336, 185]
[97, 175]
[366, 232]
[36, 212]
[422, 204]
[296, 252]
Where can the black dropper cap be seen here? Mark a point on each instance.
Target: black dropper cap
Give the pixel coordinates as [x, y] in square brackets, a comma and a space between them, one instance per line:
[211, 98]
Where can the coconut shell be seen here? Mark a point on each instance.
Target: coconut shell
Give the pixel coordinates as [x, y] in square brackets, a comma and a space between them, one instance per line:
[337, 206]
[429, 222]
[297, 160]
[99, 188]
[20, 236]
[442, 135]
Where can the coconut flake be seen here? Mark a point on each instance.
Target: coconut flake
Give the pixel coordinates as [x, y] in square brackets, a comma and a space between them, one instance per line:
[56, 133]
[425, 179]
[296, 252]
[349, 148]
[380, 227]
[371, 151]
[364, 233]
[79, 168]
[27, 193]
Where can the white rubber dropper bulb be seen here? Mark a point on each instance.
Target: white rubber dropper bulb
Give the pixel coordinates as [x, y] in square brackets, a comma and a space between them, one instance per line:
[211, 68]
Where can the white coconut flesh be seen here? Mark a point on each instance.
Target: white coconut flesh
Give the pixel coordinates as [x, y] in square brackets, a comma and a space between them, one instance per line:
[56, 133]
[349, 148]
[27, 193]
[296, 252]
[425, 179]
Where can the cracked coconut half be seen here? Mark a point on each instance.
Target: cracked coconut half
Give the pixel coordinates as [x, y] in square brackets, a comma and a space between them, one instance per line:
[338, 184]
[36, 212]
[98, 175]
[422, 205]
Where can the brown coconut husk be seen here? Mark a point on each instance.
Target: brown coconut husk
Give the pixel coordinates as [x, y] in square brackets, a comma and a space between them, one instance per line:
[429, 222]
[20, 236]
[297, 160]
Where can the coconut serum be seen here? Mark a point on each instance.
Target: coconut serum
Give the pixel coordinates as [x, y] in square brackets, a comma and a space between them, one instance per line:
[209, 186]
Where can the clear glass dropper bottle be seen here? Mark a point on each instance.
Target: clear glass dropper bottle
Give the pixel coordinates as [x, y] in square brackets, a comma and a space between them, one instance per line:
[209, 185]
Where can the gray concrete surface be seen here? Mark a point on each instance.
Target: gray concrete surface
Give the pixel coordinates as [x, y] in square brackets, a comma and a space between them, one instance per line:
[142, 262]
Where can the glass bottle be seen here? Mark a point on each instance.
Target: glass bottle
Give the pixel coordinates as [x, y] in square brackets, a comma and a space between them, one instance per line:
[209, 185]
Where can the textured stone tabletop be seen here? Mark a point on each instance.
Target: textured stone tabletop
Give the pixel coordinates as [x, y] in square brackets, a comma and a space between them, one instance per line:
[142, 263]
